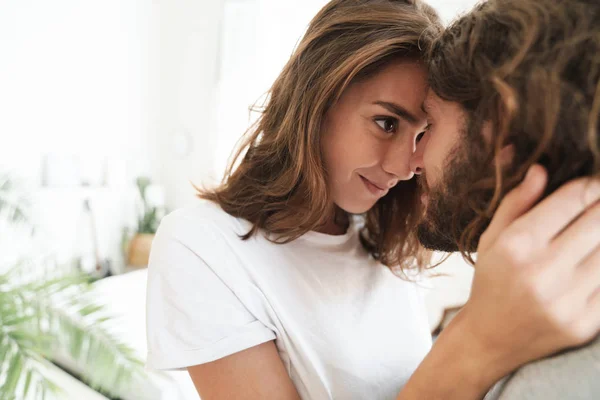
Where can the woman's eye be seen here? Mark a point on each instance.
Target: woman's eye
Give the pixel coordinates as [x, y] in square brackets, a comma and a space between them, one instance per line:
[389, 125]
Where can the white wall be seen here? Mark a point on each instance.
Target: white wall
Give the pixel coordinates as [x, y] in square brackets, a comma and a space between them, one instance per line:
[189, 52]
[258, 38]
[124, 81]
[77, 79]
[217, 59]
[450, 9]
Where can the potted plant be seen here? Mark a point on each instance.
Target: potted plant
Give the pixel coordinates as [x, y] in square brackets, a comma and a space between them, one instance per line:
[45, 310]
[150, 214]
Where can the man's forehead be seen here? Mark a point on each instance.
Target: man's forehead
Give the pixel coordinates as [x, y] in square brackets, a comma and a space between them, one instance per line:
[435, 104]
[431, 101]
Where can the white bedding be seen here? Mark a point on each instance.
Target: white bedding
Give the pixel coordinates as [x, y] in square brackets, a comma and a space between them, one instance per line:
[125, 298]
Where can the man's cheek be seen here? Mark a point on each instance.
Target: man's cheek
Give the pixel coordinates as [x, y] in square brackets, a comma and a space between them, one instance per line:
[432, 170]
[486, 132]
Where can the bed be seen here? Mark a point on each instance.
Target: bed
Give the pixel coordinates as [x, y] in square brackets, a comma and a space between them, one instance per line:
[125, 298]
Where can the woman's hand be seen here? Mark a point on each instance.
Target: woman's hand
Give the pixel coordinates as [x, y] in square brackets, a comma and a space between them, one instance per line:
[536, 290]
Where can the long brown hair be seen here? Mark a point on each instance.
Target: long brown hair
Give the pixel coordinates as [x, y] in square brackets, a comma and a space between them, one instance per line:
[531, 69]
[277, 178]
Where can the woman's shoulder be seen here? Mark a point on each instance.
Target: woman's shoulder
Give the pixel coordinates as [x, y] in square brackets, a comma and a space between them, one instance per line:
[200, 219]
[201, 234]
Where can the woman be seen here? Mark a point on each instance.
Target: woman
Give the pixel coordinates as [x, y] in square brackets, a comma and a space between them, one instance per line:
[269, 288]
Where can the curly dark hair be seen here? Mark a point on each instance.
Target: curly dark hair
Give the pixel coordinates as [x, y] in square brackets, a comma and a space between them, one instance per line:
[531, 69]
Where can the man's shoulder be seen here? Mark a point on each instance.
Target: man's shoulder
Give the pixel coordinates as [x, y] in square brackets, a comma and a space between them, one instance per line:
[573, 375]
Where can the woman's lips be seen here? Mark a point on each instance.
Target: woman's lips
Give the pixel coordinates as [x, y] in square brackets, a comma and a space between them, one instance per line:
[373, 188]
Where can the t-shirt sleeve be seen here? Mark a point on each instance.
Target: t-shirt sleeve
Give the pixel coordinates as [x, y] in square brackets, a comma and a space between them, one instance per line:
[193, 314]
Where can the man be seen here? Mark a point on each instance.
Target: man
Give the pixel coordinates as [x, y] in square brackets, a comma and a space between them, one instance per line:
[513, 83]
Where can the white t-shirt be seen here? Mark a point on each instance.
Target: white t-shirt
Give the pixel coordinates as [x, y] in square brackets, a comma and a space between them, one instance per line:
[345, 326]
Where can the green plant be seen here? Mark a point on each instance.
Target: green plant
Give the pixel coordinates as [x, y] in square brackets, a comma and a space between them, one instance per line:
[150, 215]
[45, 310]
[14, 204]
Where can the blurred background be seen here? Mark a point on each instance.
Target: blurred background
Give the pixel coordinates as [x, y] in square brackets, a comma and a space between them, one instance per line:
[109, 111]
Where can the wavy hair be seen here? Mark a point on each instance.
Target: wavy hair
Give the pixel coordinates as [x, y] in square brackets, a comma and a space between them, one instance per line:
[277, 178]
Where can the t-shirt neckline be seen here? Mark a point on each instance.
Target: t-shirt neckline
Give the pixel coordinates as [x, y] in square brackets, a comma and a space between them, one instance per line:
[327, 239]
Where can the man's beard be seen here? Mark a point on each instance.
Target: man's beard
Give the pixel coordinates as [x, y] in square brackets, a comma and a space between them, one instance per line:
[451, 205]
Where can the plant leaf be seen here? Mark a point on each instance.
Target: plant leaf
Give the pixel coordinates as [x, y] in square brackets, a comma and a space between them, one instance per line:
[27, 385]
[15, 366]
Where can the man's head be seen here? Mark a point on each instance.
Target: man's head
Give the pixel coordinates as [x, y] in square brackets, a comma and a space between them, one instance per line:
[514, 82]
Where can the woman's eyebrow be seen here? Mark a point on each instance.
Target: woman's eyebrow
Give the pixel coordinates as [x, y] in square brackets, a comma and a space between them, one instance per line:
[399, 111]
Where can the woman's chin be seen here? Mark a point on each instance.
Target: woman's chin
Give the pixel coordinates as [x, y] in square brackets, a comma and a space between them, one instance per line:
[356, 207]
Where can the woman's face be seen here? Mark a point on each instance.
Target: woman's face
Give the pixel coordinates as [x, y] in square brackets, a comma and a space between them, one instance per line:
[370, 134]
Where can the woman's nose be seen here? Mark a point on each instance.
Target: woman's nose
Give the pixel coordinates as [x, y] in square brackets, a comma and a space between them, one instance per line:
[397, 160]
[416, 159]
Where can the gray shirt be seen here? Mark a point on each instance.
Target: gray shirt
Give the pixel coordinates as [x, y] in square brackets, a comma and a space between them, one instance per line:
[574, 375]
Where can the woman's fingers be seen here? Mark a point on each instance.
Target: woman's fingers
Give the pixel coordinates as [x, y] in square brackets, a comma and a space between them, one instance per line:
[589, 323]
[593, 309]
[516, 203]
[555, 213]
[579, 240]
[587, 276]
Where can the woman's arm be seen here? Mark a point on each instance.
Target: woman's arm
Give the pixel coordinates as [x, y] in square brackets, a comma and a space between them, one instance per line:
[253, 374]
[536, 290]
[455, 368]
